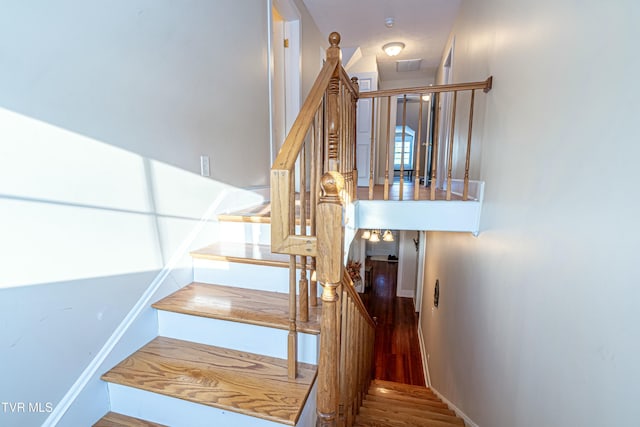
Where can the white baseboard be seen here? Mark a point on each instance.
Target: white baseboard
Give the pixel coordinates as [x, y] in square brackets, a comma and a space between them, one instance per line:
[423, 353]
[467, 421]
[427, 379]
[405, 293]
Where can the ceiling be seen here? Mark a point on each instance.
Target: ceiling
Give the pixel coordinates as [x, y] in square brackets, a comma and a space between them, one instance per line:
[422, 25]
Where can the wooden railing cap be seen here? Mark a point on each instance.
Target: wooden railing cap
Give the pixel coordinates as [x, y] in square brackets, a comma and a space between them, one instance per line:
[334, 39]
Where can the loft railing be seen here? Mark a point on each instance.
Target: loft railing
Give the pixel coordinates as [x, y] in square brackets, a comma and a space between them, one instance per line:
[438, 137]
[312, 178]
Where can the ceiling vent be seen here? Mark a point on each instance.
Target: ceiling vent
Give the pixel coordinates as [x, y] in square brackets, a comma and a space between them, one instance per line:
[408, 65]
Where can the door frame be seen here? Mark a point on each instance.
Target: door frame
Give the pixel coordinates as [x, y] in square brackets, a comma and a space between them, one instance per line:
[292, 68]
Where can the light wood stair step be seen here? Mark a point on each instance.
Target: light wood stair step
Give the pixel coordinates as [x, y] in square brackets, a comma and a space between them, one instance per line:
[246, 253]
[367, 420]
[250, 306]
[410, 419]
[113, 419]
[412, 411]
[430, 405]
[419, 393]
[392, 404]
[241, 382]
[259, 213]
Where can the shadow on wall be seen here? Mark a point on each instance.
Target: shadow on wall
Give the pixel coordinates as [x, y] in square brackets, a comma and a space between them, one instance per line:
[86, 228]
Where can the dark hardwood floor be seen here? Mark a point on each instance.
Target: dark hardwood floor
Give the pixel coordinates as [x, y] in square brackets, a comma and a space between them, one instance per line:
[397, 349]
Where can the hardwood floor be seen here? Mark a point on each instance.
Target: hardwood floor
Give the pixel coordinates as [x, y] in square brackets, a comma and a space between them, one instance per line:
[397, 349]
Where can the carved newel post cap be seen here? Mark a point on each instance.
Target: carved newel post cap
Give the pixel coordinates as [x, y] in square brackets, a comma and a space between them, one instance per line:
[332, 183]
[334, 39]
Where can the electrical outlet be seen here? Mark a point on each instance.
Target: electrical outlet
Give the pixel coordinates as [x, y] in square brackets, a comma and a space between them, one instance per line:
[204, 166]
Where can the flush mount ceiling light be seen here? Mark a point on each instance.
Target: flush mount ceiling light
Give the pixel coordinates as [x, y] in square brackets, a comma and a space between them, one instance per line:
[393, 48]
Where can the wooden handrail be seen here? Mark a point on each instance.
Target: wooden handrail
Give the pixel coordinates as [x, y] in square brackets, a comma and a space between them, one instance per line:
[420, 90]
[288, 154]
[351, 290]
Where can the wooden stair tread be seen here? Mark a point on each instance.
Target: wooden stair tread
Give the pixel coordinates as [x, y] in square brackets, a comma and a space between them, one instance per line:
[368, 420]
[259, 213]
[425, 393]
[262, 213]
[391, 385]
[410, 410]
[246, 383]
[246, 253]
[398, 398]
[113, 419]
[428, 406]
[251, 306]
[391, 413]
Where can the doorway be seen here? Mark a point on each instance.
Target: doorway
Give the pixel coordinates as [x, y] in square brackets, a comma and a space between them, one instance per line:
[284, 70]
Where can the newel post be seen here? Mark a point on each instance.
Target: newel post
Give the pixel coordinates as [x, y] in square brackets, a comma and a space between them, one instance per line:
[330, 237]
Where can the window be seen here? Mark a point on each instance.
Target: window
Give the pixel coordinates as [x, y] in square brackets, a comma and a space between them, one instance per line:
[409, 135]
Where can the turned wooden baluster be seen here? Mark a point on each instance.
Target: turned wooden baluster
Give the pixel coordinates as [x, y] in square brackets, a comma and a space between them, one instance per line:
[354, 137]
[404, 127]
[343, 411]
[388, 154]
[303, 285]
[465, 193]
[372, 148]
[316, 172]
[450, 151]
[329, 270]
[416, 189]
[434, 152]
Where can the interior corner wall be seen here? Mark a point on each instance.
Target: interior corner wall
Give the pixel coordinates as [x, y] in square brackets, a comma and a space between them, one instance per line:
[538, 321]
[168, 81]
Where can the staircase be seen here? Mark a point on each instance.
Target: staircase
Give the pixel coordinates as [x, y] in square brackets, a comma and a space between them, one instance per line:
[220, 355]
[231, 349]
[402, 405]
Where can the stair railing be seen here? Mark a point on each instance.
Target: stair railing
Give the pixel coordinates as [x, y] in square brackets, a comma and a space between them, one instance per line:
[319, 154]
[435, 103]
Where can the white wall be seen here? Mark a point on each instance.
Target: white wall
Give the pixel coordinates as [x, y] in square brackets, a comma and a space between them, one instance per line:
[538, 317]
[407, 264]
[314, 43]
[104, 112]
[165, 80]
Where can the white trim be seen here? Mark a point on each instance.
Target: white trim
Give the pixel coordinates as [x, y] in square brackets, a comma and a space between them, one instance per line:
[90, 371]
[405, 293]
[423, 353]
[467, 421]
[272, 152]
[422, 250]
[293, 64]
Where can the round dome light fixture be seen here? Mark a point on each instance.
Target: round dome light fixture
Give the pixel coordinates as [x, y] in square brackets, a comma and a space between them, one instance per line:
[393, 48]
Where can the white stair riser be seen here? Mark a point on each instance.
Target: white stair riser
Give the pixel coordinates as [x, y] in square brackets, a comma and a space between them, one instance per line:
[234, 335]
[247, 232]
[240, 275]
[244, 232]
[176, 412]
